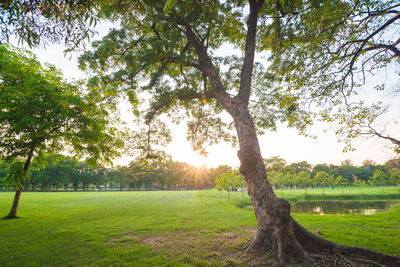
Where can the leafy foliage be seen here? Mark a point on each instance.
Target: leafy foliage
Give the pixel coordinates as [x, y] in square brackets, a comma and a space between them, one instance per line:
[229, 181]
[322, 51]
[36, 22]
[40, 114]
[39, 111]
[150, 58]
[16, 175]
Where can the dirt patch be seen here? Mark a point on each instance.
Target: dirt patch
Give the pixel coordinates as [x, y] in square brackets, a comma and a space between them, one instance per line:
[219, 249]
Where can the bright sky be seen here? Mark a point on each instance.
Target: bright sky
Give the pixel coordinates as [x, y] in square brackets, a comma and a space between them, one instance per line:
[285, 142]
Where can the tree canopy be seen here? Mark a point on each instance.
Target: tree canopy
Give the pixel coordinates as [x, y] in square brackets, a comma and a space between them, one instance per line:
[324, 51]
[41, 114]
[42, 21]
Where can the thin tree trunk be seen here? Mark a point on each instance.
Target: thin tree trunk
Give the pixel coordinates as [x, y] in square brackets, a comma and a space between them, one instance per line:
[14, 208]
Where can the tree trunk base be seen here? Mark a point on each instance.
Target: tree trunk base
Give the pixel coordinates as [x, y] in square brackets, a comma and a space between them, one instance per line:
[10, 216]
[291, 244]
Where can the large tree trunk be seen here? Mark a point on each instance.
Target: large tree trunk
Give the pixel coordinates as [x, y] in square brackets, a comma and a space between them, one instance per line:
[278, 233]
[275, 233]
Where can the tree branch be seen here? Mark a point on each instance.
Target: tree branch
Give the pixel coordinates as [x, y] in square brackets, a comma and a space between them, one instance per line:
[183, 97]
[129, 48]
[248, 62]
[206, 65]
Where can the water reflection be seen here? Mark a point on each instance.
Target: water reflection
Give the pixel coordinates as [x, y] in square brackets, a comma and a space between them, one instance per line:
[341, 207]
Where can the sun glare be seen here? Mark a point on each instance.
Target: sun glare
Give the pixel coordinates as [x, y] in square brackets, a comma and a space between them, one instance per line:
[221, 154]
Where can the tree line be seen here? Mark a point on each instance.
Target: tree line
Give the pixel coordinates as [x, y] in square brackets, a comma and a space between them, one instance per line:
[69, 173]
[302, 174]
[72, 174]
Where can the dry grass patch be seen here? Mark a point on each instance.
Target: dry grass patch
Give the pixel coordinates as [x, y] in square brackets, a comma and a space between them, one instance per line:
[215, 249]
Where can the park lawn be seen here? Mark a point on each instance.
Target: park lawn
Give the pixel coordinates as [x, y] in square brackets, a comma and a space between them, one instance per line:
[166, 228]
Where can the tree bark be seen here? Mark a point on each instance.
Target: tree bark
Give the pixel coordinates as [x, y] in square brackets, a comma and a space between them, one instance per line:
[278, 234]
[14, 208]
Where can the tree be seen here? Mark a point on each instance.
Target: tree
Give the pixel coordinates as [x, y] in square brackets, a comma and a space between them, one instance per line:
[277, 178]
[379, 178]
[303, 178]
[40, 114]
[360, 183]
[348, 172]
[322, 179]
[275, 164]
[394, 177]
[229, 181]
[171, 58]
[320, 168]
[214, 173]
[4, 170]
[324, 50]
[341, 182]
[301, 166]
[289, 181]
[71, 168]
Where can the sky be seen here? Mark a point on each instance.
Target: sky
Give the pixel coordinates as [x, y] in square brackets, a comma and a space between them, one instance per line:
[285, 142]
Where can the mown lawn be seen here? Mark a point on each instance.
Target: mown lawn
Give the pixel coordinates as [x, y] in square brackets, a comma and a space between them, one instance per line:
[166, 228]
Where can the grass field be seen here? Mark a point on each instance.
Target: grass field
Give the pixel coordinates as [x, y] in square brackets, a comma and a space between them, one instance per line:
[168, 228]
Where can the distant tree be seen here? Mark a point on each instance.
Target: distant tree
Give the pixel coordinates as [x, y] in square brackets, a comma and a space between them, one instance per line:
[4, 170]
[348, 172]
[229, 181]
[182, 168]
[279, 179]
[367, 167]
[341, 182]
[41, 114]
[301, 166]
[98, 177]
[142, 172]
[320, 168]
[393, 165]
[120, 176]
[289, 181]
[379, 177]
[275, 163]
[323, 179]
[360, 183]
[303, 178]
[51, 176]
[394, 177]
[214, 173]
[70, 167]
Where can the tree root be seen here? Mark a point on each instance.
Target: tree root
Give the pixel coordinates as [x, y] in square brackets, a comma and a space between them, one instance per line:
[8, 217]
[291, 244]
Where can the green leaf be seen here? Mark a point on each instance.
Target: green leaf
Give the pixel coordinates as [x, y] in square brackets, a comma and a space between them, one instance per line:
[168, 6]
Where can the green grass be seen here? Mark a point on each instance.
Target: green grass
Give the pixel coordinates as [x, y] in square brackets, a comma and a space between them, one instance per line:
[166, 228]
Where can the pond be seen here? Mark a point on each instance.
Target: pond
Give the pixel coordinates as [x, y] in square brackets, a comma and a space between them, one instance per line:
[341, 207]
